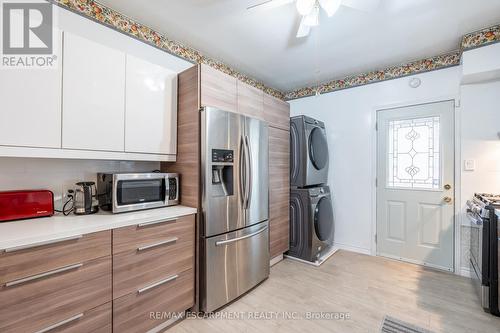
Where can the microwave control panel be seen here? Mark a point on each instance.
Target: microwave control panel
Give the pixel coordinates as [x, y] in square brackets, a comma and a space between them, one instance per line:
[172, 189]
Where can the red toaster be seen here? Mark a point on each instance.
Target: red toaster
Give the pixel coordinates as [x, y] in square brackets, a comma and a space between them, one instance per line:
[17, 205]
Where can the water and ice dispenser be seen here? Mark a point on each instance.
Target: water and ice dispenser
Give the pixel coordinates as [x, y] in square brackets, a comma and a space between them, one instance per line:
[222, 173]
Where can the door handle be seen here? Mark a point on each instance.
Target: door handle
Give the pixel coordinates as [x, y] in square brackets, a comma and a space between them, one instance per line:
[159, 283]
[43, 275]
[151, 246]
[61, 323]
[153, 223]
[249, 172]
[447, 199]
[447, 187]
[51, 242]
[232, 240]
[242, 160]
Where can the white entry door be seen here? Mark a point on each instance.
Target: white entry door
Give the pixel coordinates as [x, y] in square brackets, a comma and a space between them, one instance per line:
[415, 187]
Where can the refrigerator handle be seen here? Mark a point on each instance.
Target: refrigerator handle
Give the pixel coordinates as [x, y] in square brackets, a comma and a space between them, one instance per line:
[232, 240]
[249, 171]
[242, 171]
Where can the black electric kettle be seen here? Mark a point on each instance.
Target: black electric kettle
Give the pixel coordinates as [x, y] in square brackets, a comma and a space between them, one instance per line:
[85, 200]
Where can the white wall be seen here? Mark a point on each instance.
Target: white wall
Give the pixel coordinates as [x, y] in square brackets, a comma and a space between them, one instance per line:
[480, 139]
[349, 116]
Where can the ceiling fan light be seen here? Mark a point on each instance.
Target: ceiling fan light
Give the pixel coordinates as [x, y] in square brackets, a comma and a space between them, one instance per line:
[330, 6]
[312, 19]
[304, 7]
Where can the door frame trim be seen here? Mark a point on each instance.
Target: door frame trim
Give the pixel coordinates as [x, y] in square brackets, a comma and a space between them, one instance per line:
[457, 170]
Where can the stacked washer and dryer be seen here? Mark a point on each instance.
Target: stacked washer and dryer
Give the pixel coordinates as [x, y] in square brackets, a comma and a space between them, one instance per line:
[311, 212]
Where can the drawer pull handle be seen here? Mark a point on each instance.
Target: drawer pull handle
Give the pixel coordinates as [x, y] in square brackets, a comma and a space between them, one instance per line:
[229, 241]
[59, 324]
[157, 284]
[148, 224]
[43, 275]
[165, 242]
[50, 242]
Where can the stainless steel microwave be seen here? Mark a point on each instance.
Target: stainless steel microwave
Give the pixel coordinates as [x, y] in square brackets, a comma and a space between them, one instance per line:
[125, 192]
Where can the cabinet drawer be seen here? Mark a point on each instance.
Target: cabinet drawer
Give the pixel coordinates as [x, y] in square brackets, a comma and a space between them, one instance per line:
[37, 302]
[154, 259]
[97, 320]
[133, 237]
[132, 313]
[16, 263]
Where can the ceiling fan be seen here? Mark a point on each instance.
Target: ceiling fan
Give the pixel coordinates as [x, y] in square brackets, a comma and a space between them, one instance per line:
[309, 10]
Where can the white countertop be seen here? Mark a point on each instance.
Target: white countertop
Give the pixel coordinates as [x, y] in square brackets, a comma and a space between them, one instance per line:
[32, 231]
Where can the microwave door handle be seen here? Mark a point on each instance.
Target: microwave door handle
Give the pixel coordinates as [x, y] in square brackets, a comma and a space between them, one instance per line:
[166, 197]
[249, 171]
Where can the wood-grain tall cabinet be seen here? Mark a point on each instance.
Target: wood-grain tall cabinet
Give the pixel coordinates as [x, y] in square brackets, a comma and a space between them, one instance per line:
[202, 86]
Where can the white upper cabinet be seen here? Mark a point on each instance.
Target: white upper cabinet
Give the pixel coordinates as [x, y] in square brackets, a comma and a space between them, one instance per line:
[30, 111]
[93, 96]
[151, 108]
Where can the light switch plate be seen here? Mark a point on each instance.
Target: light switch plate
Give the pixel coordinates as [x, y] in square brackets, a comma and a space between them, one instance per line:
[469, 165]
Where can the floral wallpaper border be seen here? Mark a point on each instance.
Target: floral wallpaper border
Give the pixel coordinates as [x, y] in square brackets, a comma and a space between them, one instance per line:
[122, 23]
[109, 17]
[419, 66]
[481, 38]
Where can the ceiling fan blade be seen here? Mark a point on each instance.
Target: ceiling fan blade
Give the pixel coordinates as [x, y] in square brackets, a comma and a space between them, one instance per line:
[312, 19]
[330, 6]
[269, 4]
[364, 5]
[304, 29]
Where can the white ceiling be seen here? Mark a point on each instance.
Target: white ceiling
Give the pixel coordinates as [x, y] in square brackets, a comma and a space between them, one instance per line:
[262, 43]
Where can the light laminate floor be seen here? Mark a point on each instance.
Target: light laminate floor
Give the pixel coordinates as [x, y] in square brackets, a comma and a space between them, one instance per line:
[364, 287]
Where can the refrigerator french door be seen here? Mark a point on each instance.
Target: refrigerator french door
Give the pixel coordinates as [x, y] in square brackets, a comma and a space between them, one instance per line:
[234, 244]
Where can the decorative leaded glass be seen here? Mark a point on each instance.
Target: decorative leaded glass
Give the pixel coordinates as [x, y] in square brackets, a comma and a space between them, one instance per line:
[414, 154]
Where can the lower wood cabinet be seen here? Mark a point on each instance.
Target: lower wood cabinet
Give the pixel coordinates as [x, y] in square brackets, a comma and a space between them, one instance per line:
[59, 297]
[18, 263]
[75, 285]
[146, 309]
[96, 320]
[151, 253]
[279, 191]
[153, 273]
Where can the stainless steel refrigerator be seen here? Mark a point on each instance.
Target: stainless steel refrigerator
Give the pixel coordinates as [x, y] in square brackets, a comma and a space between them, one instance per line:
[234, 243]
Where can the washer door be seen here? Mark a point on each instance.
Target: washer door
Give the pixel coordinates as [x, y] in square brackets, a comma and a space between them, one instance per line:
[318, 148]
[323, 219]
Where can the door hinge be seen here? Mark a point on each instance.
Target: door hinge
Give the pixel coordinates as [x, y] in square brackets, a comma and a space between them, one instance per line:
[376, 182]
[375, 238]
[376, 126]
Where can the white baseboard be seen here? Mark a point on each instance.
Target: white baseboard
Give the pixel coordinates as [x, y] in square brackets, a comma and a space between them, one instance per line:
[276, 260]
[464, 271]
[352, 248]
